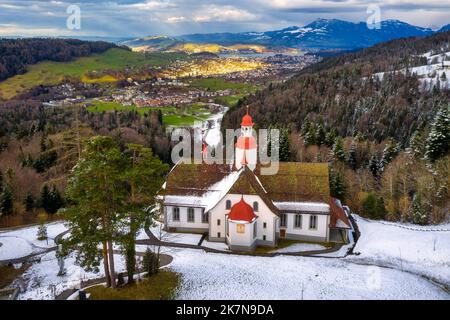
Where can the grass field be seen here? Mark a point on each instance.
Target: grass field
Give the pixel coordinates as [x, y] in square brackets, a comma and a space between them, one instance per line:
[51, 73]
[172, 116]
[161, 286]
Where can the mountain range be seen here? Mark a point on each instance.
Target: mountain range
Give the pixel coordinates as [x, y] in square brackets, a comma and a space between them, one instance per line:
[321, 34]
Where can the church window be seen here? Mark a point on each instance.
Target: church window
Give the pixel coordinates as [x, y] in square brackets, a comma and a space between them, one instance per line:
[240, 228]
[205, 218]
[255, 206]
[191, 215]
[228, 205]
[298, 221]
[176, 214]
[283, 220]
[313, 222]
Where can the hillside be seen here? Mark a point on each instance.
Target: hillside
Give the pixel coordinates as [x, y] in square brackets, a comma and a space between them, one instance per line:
[17, 54]
[342, 92]
[87, 69]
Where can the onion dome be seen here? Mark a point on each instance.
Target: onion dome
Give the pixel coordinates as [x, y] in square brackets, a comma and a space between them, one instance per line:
[247, 120]
[242, 211]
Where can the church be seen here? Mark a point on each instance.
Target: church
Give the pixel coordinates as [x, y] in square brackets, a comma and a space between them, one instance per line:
[243, 208]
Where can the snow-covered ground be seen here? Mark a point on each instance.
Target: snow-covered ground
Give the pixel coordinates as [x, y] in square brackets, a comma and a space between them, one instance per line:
[215, 245]
[187, 238]
[229, 277]
[423, 250]
[42, 282]
[392, 262]
[298, 247]
[22, 242]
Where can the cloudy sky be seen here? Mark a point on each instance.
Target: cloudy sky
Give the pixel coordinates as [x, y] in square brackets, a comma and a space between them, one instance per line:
[118, 18]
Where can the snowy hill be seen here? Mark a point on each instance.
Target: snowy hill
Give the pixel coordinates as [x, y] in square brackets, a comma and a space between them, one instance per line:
[436, 71]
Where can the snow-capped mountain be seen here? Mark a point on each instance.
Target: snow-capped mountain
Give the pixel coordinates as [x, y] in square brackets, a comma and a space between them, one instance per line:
[445, 28]
[320, 34]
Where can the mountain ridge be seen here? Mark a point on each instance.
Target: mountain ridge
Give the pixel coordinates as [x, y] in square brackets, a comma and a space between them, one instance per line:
[320, 34]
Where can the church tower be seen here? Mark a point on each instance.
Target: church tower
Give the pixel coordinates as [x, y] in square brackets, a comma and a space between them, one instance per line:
[246, 147]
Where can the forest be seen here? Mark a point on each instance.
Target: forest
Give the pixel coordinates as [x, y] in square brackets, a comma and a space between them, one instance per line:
[387, 141]
[40, 145]
[17, 54]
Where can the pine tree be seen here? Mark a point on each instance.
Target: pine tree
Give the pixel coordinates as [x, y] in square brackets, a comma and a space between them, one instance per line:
[337, 184]
[321, 135]
[285, 149]
[374, 167]
[56, 201]
[420, 210]
[438, 142]
[45, 200]
[443, 77]
[330, 137]
[338, 150]
[29, 202]
[351, 156]
[417, 144]
[42, 232]
[6, 201]
[390, 151]
[150, 262]
[373, 206]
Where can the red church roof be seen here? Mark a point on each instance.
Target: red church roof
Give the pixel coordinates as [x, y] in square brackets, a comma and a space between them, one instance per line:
[247, 120]
[242, 211]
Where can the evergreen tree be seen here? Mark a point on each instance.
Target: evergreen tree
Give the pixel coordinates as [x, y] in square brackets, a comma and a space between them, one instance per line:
[417, 144]
[321, 135]
[45, 200]
[337, 184]
[390, 151]
[1, 182]
[150, 262]
[374, 166]
[6, 201]
[373, 206]
[143, 175]
[285, 149]
[438, 142]
[29, 202]
[330, 137]
[96, 192]
[420, 210]
[338, 150]
[56, 201]
[42, 232]
[443, 77]
[351, 156]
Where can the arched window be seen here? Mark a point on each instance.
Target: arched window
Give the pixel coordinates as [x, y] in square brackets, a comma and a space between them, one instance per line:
[255, 206]
[228, 205]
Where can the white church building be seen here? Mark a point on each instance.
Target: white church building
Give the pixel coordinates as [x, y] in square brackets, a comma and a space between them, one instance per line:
[238, 205]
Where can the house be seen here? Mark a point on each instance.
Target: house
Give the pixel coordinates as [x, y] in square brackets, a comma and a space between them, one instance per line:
[238, 205]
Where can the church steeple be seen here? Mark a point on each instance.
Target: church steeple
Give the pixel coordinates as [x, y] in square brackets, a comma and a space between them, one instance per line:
[246, 147]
